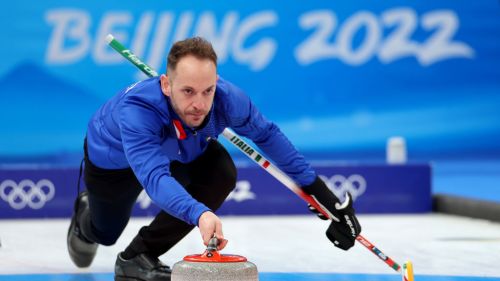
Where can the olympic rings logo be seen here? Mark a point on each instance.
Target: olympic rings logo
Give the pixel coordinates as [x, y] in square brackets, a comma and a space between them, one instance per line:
[339, 185]
[27, 193]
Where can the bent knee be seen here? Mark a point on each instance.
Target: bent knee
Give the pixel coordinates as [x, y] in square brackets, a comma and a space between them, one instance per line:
[108, 241]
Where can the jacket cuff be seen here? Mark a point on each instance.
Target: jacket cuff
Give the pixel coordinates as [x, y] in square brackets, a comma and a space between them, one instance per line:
[196, 214]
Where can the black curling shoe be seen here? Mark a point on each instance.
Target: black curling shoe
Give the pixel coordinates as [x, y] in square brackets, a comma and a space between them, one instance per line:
[81, 250]
[141, 268]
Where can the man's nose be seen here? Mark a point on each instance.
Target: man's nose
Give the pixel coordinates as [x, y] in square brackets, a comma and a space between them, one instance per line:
[199, 103]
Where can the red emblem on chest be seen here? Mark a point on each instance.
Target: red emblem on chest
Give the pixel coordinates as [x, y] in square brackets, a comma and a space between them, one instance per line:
[179, 130]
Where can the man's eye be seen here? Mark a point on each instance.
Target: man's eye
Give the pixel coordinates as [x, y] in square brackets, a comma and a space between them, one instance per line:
[188, 91]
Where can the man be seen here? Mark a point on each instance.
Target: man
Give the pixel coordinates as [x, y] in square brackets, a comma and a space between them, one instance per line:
[161, 135]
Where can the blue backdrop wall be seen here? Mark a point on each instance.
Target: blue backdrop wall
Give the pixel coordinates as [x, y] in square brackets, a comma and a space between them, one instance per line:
[339, 77]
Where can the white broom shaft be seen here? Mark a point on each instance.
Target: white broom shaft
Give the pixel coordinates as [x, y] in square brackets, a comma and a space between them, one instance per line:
[271, 169]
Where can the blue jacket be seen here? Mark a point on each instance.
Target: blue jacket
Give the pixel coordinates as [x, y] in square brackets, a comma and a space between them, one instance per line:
[135, 129]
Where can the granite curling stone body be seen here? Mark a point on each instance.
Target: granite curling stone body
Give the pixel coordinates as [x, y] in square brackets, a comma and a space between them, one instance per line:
[213, 266]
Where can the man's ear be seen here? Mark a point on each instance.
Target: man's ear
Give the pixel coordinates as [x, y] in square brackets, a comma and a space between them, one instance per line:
[165, 85]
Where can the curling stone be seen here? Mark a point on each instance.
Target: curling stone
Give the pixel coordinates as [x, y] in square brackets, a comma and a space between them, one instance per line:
[213, 266]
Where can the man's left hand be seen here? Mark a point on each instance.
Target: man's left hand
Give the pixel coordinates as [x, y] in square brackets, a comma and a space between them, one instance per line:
[344, 227]
[343, 233]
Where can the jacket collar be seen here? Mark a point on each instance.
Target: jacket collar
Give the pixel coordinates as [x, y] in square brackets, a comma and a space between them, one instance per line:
[180, 127]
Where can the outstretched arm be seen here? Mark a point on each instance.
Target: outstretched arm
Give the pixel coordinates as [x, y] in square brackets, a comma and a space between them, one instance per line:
[140, 133]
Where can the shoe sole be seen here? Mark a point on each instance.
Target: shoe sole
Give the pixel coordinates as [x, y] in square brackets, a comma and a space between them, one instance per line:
[124, 278]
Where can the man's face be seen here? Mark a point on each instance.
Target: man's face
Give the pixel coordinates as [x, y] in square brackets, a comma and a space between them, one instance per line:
[191, 88]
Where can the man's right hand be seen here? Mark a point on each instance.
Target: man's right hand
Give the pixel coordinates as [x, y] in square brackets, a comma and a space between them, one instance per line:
[210, 225]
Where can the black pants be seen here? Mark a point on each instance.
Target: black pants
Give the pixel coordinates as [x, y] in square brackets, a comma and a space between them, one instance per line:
[112, 194]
